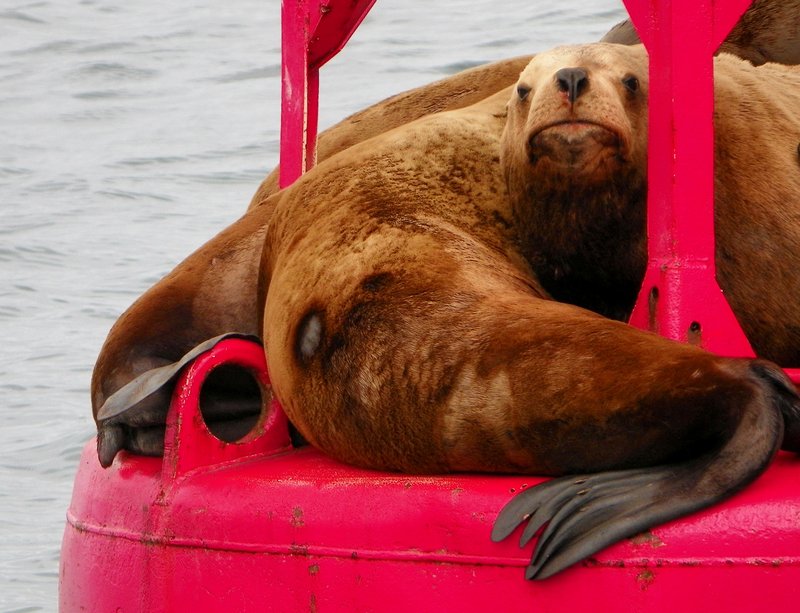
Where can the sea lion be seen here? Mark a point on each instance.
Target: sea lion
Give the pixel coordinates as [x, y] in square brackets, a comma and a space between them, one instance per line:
[576, 164]
[209, 293]
[769, 31]
[406, 331]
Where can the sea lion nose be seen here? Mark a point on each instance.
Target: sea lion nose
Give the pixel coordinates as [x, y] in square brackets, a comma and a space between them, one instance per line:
[572, 81]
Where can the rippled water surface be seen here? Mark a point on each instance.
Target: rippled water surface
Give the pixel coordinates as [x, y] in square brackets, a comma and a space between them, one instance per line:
[130, 133]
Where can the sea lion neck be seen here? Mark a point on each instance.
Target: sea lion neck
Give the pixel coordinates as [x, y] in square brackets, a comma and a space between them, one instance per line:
[586, 244]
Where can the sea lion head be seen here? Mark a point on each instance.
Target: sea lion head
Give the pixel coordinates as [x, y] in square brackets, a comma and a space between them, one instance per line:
[574, 154]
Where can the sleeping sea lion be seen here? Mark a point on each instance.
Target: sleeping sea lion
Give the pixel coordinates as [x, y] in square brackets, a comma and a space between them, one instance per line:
[406, 331]
[451, 93]
[186, 307]
[576, 160]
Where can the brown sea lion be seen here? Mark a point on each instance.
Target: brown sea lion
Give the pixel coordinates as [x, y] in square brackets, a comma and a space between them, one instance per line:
[769, 31]
[576, 160]
[208, 293]
[406, 331]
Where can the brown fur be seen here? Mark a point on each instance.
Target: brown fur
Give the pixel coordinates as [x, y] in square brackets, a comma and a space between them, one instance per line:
[769, 31]
[581, 206]
[451, 93]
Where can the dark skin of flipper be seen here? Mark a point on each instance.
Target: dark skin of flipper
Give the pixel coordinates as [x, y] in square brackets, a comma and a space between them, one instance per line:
[577, 516]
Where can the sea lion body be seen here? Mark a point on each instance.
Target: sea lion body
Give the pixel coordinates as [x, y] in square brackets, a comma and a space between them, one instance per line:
[581, 200]
[405, 331]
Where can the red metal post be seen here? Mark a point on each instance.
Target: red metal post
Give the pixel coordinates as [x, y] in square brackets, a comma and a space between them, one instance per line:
[313, 31]
[680, 297]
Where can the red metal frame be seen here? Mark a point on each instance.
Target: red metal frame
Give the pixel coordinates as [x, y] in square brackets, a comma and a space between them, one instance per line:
[681, 37]
[313, 31]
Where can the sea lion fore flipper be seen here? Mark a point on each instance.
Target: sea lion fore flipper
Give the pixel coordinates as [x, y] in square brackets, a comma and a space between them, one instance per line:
[131, 394]
[586, 513]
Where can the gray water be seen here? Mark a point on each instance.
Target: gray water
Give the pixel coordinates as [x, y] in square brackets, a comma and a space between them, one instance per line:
[132, 132]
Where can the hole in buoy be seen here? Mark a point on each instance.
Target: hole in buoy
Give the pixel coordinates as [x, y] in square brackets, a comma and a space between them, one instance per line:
[694, 327]
[232, 402]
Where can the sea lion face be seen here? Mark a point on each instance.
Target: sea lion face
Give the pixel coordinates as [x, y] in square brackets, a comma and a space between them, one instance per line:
[574, 154]
[580, 112]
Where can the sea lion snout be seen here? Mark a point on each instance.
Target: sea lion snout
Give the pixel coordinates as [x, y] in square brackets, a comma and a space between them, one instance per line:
[572, 81]
[575, 145]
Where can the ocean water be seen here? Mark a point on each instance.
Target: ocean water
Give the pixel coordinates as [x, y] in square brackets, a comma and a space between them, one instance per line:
[131, 133]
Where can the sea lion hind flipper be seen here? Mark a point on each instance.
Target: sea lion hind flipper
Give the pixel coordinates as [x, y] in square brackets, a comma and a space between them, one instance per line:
[612, 508]
[566, 500]
[539, 504]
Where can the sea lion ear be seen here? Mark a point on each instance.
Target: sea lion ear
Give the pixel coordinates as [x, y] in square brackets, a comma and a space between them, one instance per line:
[523, 91]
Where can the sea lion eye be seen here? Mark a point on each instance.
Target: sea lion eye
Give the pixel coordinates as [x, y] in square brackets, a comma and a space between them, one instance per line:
[631, 83]
[523, 91]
